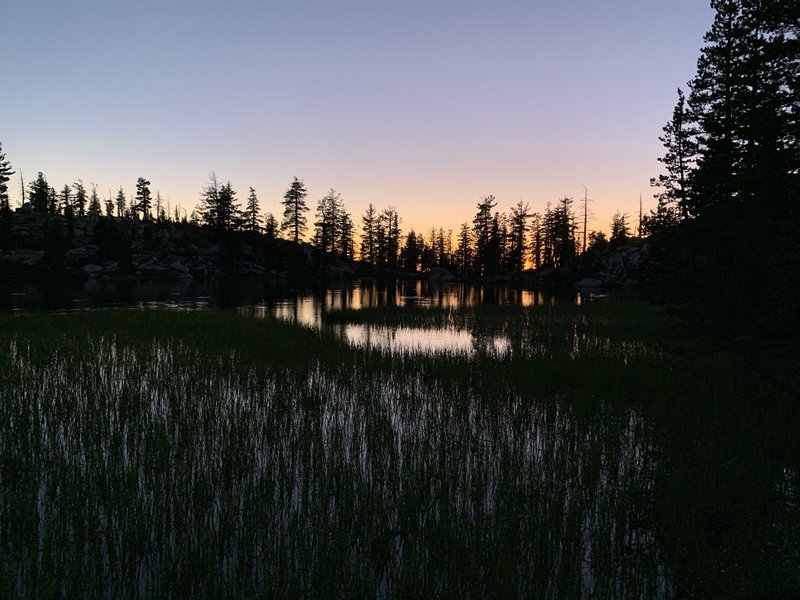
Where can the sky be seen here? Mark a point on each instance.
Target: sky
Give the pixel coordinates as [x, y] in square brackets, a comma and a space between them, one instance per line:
[426, 106]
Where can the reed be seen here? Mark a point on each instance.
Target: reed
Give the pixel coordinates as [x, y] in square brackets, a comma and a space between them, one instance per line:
[160, 454]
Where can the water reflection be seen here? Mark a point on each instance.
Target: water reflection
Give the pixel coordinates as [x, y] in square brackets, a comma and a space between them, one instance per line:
[307, 307]
[429, 340]
[267, 297]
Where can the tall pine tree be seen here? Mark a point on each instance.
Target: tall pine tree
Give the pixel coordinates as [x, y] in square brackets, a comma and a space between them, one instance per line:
[5, 177]
[143, 201]
[294, 210]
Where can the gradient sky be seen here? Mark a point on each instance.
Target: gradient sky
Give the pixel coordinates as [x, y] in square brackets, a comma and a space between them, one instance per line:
[426, 106]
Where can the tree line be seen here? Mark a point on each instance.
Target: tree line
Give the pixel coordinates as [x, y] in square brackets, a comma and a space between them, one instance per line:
[494, 242]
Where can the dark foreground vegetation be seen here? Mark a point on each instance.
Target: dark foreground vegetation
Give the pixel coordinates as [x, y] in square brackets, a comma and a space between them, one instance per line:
[155, 454]
[616, 450]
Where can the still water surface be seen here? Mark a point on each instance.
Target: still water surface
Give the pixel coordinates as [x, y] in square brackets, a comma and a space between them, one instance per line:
[306, 307]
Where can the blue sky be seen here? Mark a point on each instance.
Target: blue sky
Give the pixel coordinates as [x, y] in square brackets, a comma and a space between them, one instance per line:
[426, 106]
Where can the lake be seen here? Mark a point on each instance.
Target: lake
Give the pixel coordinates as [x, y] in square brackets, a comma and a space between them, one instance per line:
[166, 453]
[305, 306]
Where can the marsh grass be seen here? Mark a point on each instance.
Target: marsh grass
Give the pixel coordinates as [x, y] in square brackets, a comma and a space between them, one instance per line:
[163, 454]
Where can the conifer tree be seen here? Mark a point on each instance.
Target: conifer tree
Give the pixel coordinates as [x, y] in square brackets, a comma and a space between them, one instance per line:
[121, 203]
[209, 202]
[227, 212]
[94, 202]
[294, 209]
[52, 200]
[80, 198]
[389, 238]
[327, 221]
[620, 230]
[39, 194]
[463, 257]
[5, 177]
[520, 214]
[143, 201]
[410, 254]
[109, 202]
[345, 234]
[66, 201]
[674, 199]
[482, 225]
[369, 235]
[252, 214]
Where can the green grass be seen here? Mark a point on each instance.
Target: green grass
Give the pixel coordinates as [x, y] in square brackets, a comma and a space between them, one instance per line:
[149, 454]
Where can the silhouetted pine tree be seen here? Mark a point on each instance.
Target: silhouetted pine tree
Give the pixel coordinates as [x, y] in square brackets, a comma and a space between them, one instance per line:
[620, 230]
[121, 202]
[228, 213]
[79, 199]
[463, 255]
[252, 214]
[52, 200]
[345, 245]
[327, 221]
[270, 241]
[39, 194]
[143, 201]
[6, 226]
[369, 234]
[65, 201]
[482, 231]
[94, 203]
[389, 238]
[674, 200]
[109, 202]
[294, 209]
[5, 176]
[520, 215]
[410, 254]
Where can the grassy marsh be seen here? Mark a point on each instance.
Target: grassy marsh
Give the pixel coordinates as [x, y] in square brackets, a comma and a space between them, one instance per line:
[148, 453]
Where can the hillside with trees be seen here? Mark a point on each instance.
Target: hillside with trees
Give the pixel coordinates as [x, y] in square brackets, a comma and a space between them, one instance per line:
[75, 232]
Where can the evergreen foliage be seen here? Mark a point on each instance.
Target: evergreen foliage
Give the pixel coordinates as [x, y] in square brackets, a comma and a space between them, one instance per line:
[369, 235]
[520, 215]
[253, 221]
[95, 209]
[121, 203]
[328, 220]
[732, 215]
[79, 198]
[5, 177]
[620, 230]
[219, 209]
[143, 201]
[294, 209]
[482, 233]
[39, 195]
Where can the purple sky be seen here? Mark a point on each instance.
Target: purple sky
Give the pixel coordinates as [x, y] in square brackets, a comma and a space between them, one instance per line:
[426, 106]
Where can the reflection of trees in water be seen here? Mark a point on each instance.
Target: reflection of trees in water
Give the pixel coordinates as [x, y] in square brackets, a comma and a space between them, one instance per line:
[247, 294]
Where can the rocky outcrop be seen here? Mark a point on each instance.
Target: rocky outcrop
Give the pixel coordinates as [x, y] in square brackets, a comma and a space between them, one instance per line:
[99, 247]
[621, 267]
